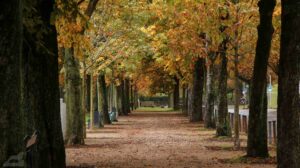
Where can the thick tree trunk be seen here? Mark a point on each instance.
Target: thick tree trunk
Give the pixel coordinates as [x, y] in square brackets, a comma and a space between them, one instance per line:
[237, 93]
[257, 136]
[88, 93]
[131, 97]
[100, 103]
[237, 96]
[83, 100]
[120, 100]
[74, 133]
[103, 98]
[92, 117]
[197, 90]
[127, 96]
[184, 100]
[11, 120]
[209, 121]
[223, 125]
[176, 96]
[288, 148]
[41, 91]
[136, 97]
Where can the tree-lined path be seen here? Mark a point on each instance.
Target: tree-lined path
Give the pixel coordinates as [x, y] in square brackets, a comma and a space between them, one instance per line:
[155, 139]
[74, 73]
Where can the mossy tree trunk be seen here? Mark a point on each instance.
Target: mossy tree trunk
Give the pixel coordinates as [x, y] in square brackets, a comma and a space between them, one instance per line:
[74, 132]
[223, 125]
[197, 90]
[288, 148]
[209, 121]
[257, 145]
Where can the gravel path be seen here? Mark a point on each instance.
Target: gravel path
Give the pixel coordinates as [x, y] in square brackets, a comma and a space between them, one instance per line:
[155, 139]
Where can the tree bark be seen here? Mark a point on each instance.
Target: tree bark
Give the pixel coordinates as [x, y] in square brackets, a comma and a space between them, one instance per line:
[88, 92]
[237, 96]
[288, 148]
[120, 100]
[103, 98]
[223, 125]
[176, 96]
[237, 93]
[40, 87]
[257, 136]
[100, 103]
[197, 90]
[11, 120]
[184, 100]
[127, 96]
[41, 90]
[83, 99]
[92, 117]
[136, 97]
[74, 133]
[209, 121]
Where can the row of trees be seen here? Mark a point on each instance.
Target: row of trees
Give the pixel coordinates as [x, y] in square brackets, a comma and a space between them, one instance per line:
[202, 47]
[216, 48]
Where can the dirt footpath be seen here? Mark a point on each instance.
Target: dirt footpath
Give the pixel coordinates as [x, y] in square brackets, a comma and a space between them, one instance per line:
[156, 139]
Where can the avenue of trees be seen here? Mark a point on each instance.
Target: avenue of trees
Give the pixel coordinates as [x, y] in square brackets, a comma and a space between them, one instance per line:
[101, 56]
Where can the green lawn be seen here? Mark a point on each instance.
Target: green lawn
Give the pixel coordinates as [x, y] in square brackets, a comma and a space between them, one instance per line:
[274, 93]
[153, 109]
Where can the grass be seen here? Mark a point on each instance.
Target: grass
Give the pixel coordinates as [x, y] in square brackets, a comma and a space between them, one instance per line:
[153, 109]
[274, 94]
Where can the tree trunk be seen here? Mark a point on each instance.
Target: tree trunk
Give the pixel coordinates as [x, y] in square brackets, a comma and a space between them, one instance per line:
[176, 96]
[92, 102]
[83, 99]
[171, 98]
[103, 98]
[223, 125]
[288, 148]
[88, 93]
[237, 96]
[132, 97]
[184, 102]
[74, 133]
[209, 121]
[11, 120]
[136, 97]
[41, 90]
[197, 91]
[120, 100]
[257, 136]
[100, 103]
[126, 94]
[237, 93]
